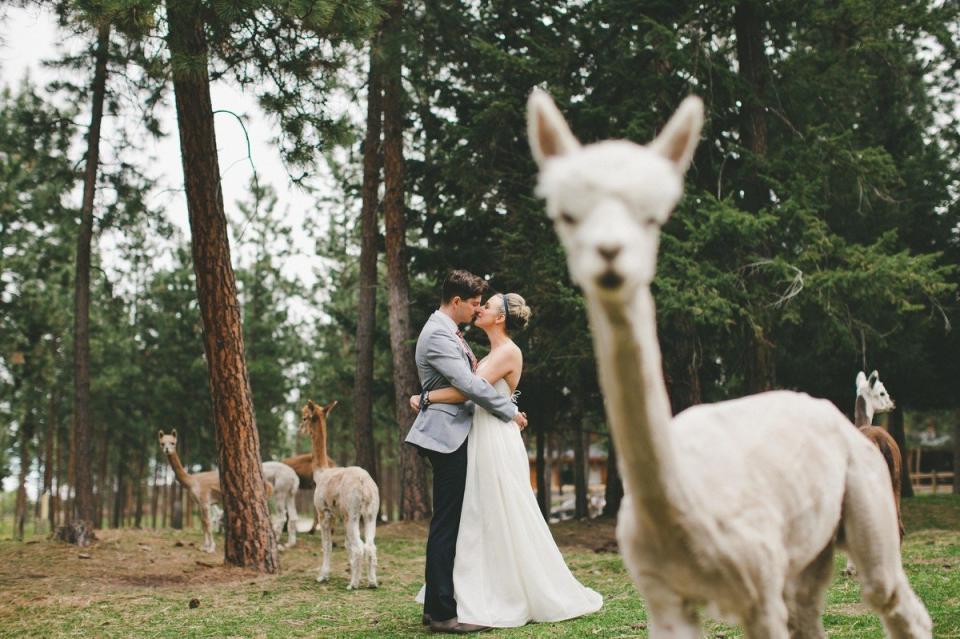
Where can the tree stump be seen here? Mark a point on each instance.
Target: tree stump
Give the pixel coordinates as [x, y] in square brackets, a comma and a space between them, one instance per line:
[77, 532]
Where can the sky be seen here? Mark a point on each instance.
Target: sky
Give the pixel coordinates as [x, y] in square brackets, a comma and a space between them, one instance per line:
[30, 35]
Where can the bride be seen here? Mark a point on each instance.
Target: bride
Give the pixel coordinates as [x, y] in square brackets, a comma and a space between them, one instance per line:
[508, 570]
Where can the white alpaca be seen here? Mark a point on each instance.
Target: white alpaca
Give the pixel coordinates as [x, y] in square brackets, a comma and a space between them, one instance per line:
[736, 505]
[349, 493]
[285, 484]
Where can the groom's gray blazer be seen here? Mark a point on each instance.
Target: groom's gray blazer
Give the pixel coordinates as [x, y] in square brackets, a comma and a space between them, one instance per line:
[442, 362]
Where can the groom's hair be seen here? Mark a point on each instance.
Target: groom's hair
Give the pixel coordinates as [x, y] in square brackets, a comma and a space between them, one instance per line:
[463, 284]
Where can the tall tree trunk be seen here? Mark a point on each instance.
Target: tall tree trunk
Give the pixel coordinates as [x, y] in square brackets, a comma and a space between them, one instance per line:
[613, 491]
[102, 480]
[141, 479]
[57, 512]
[543, 481]
[752, 63]
[26, 435]
[155, 495]
[85, 509]
[367, 295]
[248, 536]
[49, 466]
[414, 502]
[580, 508]
[956, 453]
[120, 496]
[895, 426]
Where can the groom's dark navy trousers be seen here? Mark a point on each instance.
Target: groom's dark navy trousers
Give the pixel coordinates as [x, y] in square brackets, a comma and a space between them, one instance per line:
[449, 477]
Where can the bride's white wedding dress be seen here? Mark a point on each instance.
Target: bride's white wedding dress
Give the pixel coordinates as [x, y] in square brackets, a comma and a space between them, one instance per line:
[508, 569]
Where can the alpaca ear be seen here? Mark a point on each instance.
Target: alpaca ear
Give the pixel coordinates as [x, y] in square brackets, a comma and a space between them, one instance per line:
[174, 433]
[680, 136]
[159, 434]
[861, 379]
[329, 407]
[547, 131]
[874, 376]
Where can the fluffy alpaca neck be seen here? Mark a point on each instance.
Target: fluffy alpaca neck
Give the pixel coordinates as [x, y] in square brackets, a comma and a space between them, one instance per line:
[319, 437]
[862, 415]
[625, 337]
[182, 475]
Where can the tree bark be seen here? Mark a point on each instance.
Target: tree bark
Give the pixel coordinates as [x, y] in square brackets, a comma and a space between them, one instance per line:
[248, 536]
[956, 453]
[141, 479]
[414, 502]
[101, 500]
[580, 508]
[895, 426]
[613, 491]
[26, 435]
[543, 484]
[367, 295]
[49, 466]
[120, 496]
[752, 63]
[84, 507]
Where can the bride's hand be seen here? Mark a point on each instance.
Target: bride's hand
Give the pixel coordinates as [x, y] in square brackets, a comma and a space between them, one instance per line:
[415, 403]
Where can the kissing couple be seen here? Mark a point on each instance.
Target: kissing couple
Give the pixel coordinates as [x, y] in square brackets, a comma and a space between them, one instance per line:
[491, 560]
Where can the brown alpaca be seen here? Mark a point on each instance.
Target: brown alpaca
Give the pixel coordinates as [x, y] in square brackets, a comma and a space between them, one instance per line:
[872, 397]
[348, 492]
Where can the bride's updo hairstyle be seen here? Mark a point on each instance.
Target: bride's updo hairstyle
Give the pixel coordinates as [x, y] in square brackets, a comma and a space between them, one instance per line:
[516, 311]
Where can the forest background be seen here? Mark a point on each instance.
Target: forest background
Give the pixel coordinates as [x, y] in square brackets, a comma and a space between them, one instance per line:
[819, 234]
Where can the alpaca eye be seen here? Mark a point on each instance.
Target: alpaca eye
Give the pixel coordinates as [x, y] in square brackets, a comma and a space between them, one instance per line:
[650, 224]
[567, 218]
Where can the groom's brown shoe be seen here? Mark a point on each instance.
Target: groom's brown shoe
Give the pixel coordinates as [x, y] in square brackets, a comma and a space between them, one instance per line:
[451, 626]
[426, 619]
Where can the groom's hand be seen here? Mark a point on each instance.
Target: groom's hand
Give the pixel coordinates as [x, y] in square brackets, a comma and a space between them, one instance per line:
[415, 403]
[521, 419]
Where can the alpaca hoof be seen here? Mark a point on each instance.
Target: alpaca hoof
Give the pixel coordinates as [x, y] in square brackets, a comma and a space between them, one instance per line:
[849, 571]
[322, 578]
[350, 586]
[373, 585]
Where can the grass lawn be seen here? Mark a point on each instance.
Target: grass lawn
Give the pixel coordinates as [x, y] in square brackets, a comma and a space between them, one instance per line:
[139, 583]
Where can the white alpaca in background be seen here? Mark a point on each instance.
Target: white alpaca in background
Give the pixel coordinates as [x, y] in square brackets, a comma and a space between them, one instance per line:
[736, 505]
[285, 484]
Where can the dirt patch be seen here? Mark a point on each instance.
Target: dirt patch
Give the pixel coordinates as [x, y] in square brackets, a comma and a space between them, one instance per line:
[598, 535]
[151, 581]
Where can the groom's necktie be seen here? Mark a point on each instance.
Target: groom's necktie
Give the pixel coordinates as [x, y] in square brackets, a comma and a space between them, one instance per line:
[466, 347]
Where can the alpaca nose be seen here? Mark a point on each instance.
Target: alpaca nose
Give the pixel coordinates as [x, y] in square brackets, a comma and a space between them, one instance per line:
[608, 252]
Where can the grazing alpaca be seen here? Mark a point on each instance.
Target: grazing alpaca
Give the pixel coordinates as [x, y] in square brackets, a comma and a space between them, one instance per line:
[348, 492]
[872, 398]
[735, 506]
[204, 487]
[285, 484]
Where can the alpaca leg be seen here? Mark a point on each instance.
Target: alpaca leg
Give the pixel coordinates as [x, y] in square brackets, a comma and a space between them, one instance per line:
[208, 543]
[292, 519]
[326, 543]
[872, 539]
[354, 549]
[806, 598]
[670, 618]
[370, 548]
[850, 570]
[769, 619]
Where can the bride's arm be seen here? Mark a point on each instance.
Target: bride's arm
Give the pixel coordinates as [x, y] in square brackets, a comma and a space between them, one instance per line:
[494, 368]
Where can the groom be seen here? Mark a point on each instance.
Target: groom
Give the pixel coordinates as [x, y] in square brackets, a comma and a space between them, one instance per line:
[440, 432]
